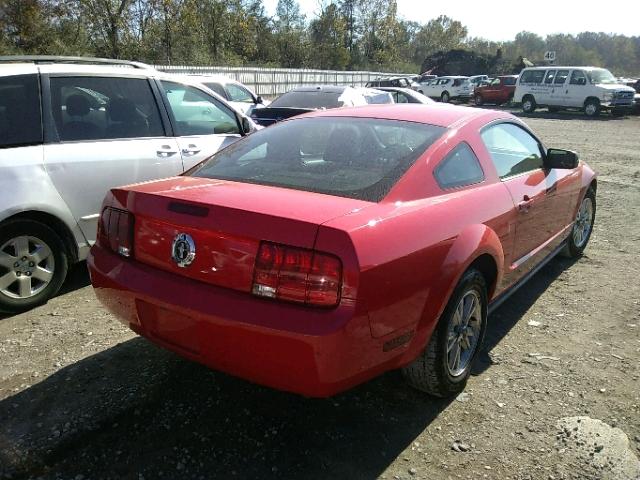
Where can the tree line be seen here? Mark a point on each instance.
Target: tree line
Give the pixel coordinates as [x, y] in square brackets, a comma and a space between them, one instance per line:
[340, 35]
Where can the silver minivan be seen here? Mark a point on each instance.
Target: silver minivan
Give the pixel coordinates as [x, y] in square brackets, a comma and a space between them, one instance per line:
[71, 129]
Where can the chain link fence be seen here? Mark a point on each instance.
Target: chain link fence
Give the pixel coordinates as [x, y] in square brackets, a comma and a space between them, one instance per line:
[275, 81]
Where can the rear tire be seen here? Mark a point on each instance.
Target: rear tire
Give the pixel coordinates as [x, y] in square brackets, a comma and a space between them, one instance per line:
[528, 104]
[33, 265]
[478, 100]
[444, 98]
[582, 226]
[435, 371]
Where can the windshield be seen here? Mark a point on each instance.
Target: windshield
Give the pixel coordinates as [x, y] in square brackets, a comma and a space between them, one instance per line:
[317, 99]
[601, 76]
[360, 158]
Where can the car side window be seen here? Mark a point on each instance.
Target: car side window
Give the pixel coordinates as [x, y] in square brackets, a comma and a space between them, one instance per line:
[239, 94]
[548, 78]
[196, 113]
[400, 97]
[513, 150]
[561, 77]
[99, 108]
[218, 88]
[20, 117]
[460, 168]
[532, 76]
[495, 82]
[578, 78]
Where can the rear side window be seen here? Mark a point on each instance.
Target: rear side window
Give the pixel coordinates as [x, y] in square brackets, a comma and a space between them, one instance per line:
[20, 117]
[359, 158]
[310, 99]
[460, 168]
[561, 77]
[97, 108]
[513, 150]
[532, 76]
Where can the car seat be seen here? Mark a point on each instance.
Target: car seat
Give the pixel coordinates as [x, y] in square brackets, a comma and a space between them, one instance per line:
[79, 129]
[125, 120]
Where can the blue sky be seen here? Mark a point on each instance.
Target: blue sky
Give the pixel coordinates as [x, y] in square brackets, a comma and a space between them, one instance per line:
[510, 17]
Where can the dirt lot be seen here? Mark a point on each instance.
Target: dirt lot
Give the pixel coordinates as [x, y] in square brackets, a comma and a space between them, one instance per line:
[81, 397]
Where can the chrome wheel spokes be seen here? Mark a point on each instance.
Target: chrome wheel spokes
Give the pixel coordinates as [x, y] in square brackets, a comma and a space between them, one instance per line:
[583, 224]
[463, 334]
[26, 267]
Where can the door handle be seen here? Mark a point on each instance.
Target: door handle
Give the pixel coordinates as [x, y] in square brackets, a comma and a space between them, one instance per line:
[525, 204]
[165, 151]
[191, 150]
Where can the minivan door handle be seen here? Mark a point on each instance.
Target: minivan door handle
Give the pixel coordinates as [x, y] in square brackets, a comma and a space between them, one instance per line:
[525, 204]
[165, 151]
[191, 150]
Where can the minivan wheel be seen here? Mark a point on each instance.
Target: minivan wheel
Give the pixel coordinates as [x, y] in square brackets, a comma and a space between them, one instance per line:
[528, 104]
[33, 265]
[445, 97]
[592, 107]
[478, 100]
[443, 368]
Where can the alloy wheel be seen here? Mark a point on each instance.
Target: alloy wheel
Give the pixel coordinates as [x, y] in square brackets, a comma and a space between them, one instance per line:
[26, 267]
[463, 333]
[583, 224]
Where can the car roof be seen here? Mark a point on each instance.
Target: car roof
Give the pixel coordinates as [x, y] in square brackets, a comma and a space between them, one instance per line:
[208, 78]
[321, 88]
[442, 115]
[565, 67]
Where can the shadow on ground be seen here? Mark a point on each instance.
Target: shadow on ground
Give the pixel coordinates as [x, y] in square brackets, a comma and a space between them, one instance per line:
[136, 409]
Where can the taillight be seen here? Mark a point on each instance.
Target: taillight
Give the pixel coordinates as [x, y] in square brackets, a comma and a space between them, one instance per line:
[115, 231]
[297, 275]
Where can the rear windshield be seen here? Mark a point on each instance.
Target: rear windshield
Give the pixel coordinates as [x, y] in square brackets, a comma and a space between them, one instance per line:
[308, 100]
[360, 158]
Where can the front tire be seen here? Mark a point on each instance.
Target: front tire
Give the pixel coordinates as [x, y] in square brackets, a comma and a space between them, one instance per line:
[592, 107]
[478, 100]
[528, 104]
[582, 226]
[443, 368]
[33, 265]
[444, 98]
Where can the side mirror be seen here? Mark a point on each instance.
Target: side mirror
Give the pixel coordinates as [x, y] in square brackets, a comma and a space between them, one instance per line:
[247, 125]
[557, 158]
[259, 100]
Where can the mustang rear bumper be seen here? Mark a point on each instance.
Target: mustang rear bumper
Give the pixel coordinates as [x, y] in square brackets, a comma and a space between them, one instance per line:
[310, 351]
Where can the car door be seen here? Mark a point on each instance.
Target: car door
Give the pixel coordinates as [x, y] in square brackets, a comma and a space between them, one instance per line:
[202, 124]
[103, 132]
[544, 97]
[518, 159]
[576, 89]
[491, 91]
[559, 91]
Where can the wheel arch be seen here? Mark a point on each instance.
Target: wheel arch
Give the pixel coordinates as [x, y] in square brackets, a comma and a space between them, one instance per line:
[53, 222]
[477, 246]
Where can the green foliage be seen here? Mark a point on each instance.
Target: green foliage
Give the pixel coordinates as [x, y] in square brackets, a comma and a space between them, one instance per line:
[342, 34]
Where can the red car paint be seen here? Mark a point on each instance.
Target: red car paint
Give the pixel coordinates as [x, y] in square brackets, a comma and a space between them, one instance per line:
[401, 259]
[498, 92]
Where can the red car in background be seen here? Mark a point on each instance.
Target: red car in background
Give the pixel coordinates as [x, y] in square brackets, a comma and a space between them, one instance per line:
[324, 250]
[498, 91]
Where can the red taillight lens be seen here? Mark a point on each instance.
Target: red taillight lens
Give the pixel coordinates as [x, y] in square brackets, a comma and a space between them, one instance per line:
[297, 275]
[115, 231]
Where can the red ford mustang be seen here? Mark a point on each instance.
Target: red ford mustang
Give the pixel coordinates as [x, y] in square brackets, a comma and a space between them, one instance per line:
[322, 251]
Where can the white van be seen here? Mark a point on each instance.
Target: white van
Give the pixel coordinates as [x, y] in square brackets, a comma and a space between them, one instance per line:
[586, 88]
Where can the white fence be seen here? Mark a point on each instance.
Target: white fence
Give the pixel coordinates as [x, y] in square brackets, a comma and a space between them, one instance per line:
[274, 81]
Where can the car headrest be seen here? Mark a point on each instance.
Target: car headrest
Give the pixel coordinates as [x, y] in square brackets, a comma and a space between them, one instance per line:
[122, 110]
[344, 145]
[77, 105]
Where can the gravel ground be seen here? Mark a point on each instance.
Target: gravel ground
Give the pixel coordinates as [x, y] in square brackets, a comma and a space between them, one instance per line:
[81, 397]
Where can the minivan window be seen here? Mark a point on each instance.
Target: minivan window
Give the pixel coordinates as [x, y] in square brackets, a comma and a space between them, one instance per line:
[578, 78]
[20, 117]
[97, 108]
[548, 79]
[360, 158]
[561, 77]
[532, 76]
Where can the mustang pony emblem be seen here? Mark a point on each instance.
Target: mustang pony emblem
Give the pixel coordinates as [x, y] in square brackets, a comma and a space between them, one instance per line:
[183, 250]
